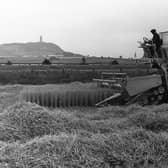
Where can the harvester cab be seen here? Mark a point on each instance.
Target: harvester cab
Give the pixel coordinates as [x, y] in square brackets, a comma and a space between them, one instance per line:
[150, 49]
[143, 90]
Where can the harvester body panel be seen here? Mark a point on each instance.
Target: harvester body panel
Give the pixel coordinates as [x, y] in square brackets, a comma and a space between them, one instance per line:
[164, 37]
[138, 85]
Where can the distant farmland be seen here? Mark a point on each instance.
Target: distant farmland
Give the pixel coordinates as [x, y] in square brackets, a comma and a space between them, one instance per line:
[63, 60]
[30, 70]
[43, 74]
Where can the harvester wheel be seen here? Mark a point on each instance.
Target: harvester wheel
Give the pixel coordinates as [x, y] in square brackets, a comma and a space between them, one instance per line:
[160, 97]
[155, 102]
[145, 100]
[161, 89]
[156, 92]
[152, 99]
[142, 100]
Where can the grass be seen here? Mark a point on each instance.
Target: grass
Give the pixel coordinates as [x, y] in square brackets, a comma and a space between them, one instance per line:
[136, 148]
[32, 136]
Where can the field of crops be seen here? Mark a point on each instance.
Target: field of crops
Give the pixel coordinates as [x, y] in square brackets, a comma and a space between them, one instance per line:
[52, 74]
[32, 136]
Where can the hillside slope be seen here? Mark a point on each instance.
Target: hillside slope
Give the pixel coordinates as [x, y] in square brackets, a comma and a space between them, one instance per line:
[30, 49]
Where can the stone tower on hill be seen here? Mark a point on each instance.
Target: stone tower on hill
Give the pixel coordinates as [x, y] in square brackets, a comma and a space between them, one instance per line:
[41, 39]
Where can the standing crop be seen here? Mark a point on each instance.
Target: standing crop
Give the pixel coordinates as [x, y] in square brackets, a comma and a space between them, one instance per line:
[65, 95]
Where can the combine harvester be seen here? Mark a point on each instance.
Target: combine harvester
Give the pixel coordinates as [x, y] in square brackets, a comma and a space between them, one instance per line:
[143, 90]
[112, 88]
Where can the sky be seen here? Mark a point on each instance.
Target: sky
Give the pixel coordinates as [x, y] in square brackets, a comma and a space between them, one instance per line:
[89, 27]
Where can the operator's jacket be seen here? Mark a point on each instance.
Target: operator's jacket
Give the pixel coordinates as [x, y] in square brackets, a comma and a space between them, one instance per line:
[157, 41]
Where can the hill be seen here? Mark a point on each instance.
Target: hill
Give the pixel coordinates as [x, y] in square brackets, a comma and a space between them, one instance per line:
[30, 49]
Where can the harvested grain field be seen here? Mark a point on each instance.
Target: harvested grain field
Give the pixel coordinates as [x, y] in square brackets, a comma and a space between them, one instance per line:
[33, 136]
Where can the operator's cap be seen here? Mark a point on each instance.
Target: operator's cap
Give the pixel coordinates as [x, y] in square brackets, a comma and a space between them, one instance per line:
[153, 31]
